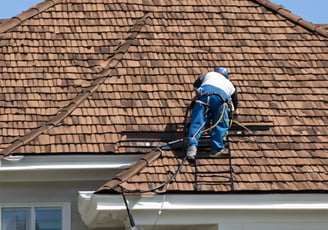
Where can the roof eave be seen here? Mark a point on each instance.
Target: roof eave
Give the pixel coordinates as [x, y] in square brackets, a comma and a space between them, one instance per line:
[28, 168]
[93, 207]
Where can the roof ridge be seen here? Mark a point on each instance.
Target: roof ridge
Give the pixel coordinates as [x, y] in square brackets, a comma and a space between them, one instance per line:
[122, 177]
[32, 11]
[99, 79]
[289, 15]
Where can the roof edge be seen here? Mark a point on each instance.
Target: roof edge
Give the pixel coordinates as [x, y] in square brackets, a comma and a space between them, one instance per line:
[144, 161]
[34, 10]
[294, 18]
[93, 208]
[306, 201]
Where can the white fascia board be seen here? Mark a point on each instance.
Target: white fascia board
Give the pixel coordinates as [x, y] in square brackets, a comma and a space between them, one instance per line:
[64, 167]
[68, 162]
[184, 209]
[212, 201]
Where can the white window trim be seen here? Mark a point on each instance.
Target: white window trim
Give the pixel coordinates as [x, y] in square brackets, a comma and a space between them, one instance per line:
[66, 210]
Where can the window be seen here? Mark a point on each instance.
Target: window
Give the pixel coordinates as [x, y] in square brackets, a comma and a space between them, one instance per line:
[48, 219]
[38, 217]
[15, 219]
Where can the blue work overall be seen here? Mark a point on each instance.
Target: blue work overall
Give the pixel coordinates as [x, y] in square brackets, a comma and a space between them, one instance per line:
[208, 109]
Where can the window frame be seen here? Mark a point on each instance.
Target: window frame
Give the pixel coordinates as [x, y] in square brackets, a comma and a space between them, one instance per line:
[65, 207]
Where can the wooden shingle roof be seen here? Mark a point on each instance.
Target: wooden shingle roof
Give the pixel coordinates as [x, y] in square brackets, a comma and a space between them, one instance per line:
[116, 77]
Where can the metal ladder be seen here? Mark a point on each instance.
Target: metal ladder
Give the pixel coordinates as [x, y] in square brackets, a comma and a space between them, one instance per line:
[223, 176]
[227, 174]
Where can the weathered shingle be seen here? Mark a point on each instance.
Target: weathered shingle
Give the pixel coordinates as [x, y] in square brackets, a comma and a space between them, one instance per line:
[92, 77]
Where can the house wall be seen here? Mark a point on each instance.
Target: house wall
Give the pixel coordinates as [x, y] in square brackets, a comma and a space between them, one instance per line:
[47, 179]
[273, 220]
[24, 193]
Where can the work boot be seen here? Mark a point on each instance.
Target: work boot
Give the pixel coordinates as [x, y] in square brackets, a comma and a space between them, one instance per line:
[191, 153]
[219, 153]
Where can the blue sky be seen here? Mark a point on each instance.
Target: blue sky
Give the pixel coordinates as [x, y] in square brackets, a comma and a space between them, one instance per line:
[314, 11]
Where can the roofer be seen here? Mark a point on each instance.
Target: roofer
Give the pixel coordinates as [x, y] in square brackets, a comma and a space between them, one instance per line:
[214, 95]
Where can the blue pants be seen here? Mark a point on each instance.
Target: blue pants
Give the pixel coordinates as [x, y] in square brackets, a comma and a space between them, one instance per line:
[207, 111]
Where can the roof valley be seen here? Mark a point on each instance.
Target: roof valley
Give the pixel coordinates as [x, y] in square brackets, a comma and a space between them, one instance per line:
[99, 79]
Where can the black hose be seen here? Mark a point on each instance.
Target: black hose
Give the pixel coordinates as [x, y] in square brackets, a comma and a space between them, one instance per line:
[164, 183]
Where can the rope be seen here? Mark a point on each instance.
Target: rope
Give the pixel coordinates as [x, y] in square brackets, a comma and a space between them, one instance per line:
[132, 223]
[219, 120]
[164, 183]
[184, 159]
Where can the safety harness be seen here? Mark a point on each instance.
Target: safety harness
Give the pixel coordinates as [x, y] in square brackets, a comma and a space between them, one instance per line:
[226, 103]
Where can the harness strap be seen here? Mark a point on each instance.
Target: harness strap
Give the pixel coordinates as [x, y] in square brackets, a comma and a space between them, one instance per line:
[201, 102]
[214, 93]
[225, 101]
[225, 106]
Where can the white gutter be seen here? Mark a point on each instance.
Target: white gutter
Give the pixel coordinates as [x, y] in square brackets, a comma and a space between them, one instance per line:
[71, 167]
[180, 208]
[36, 162]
